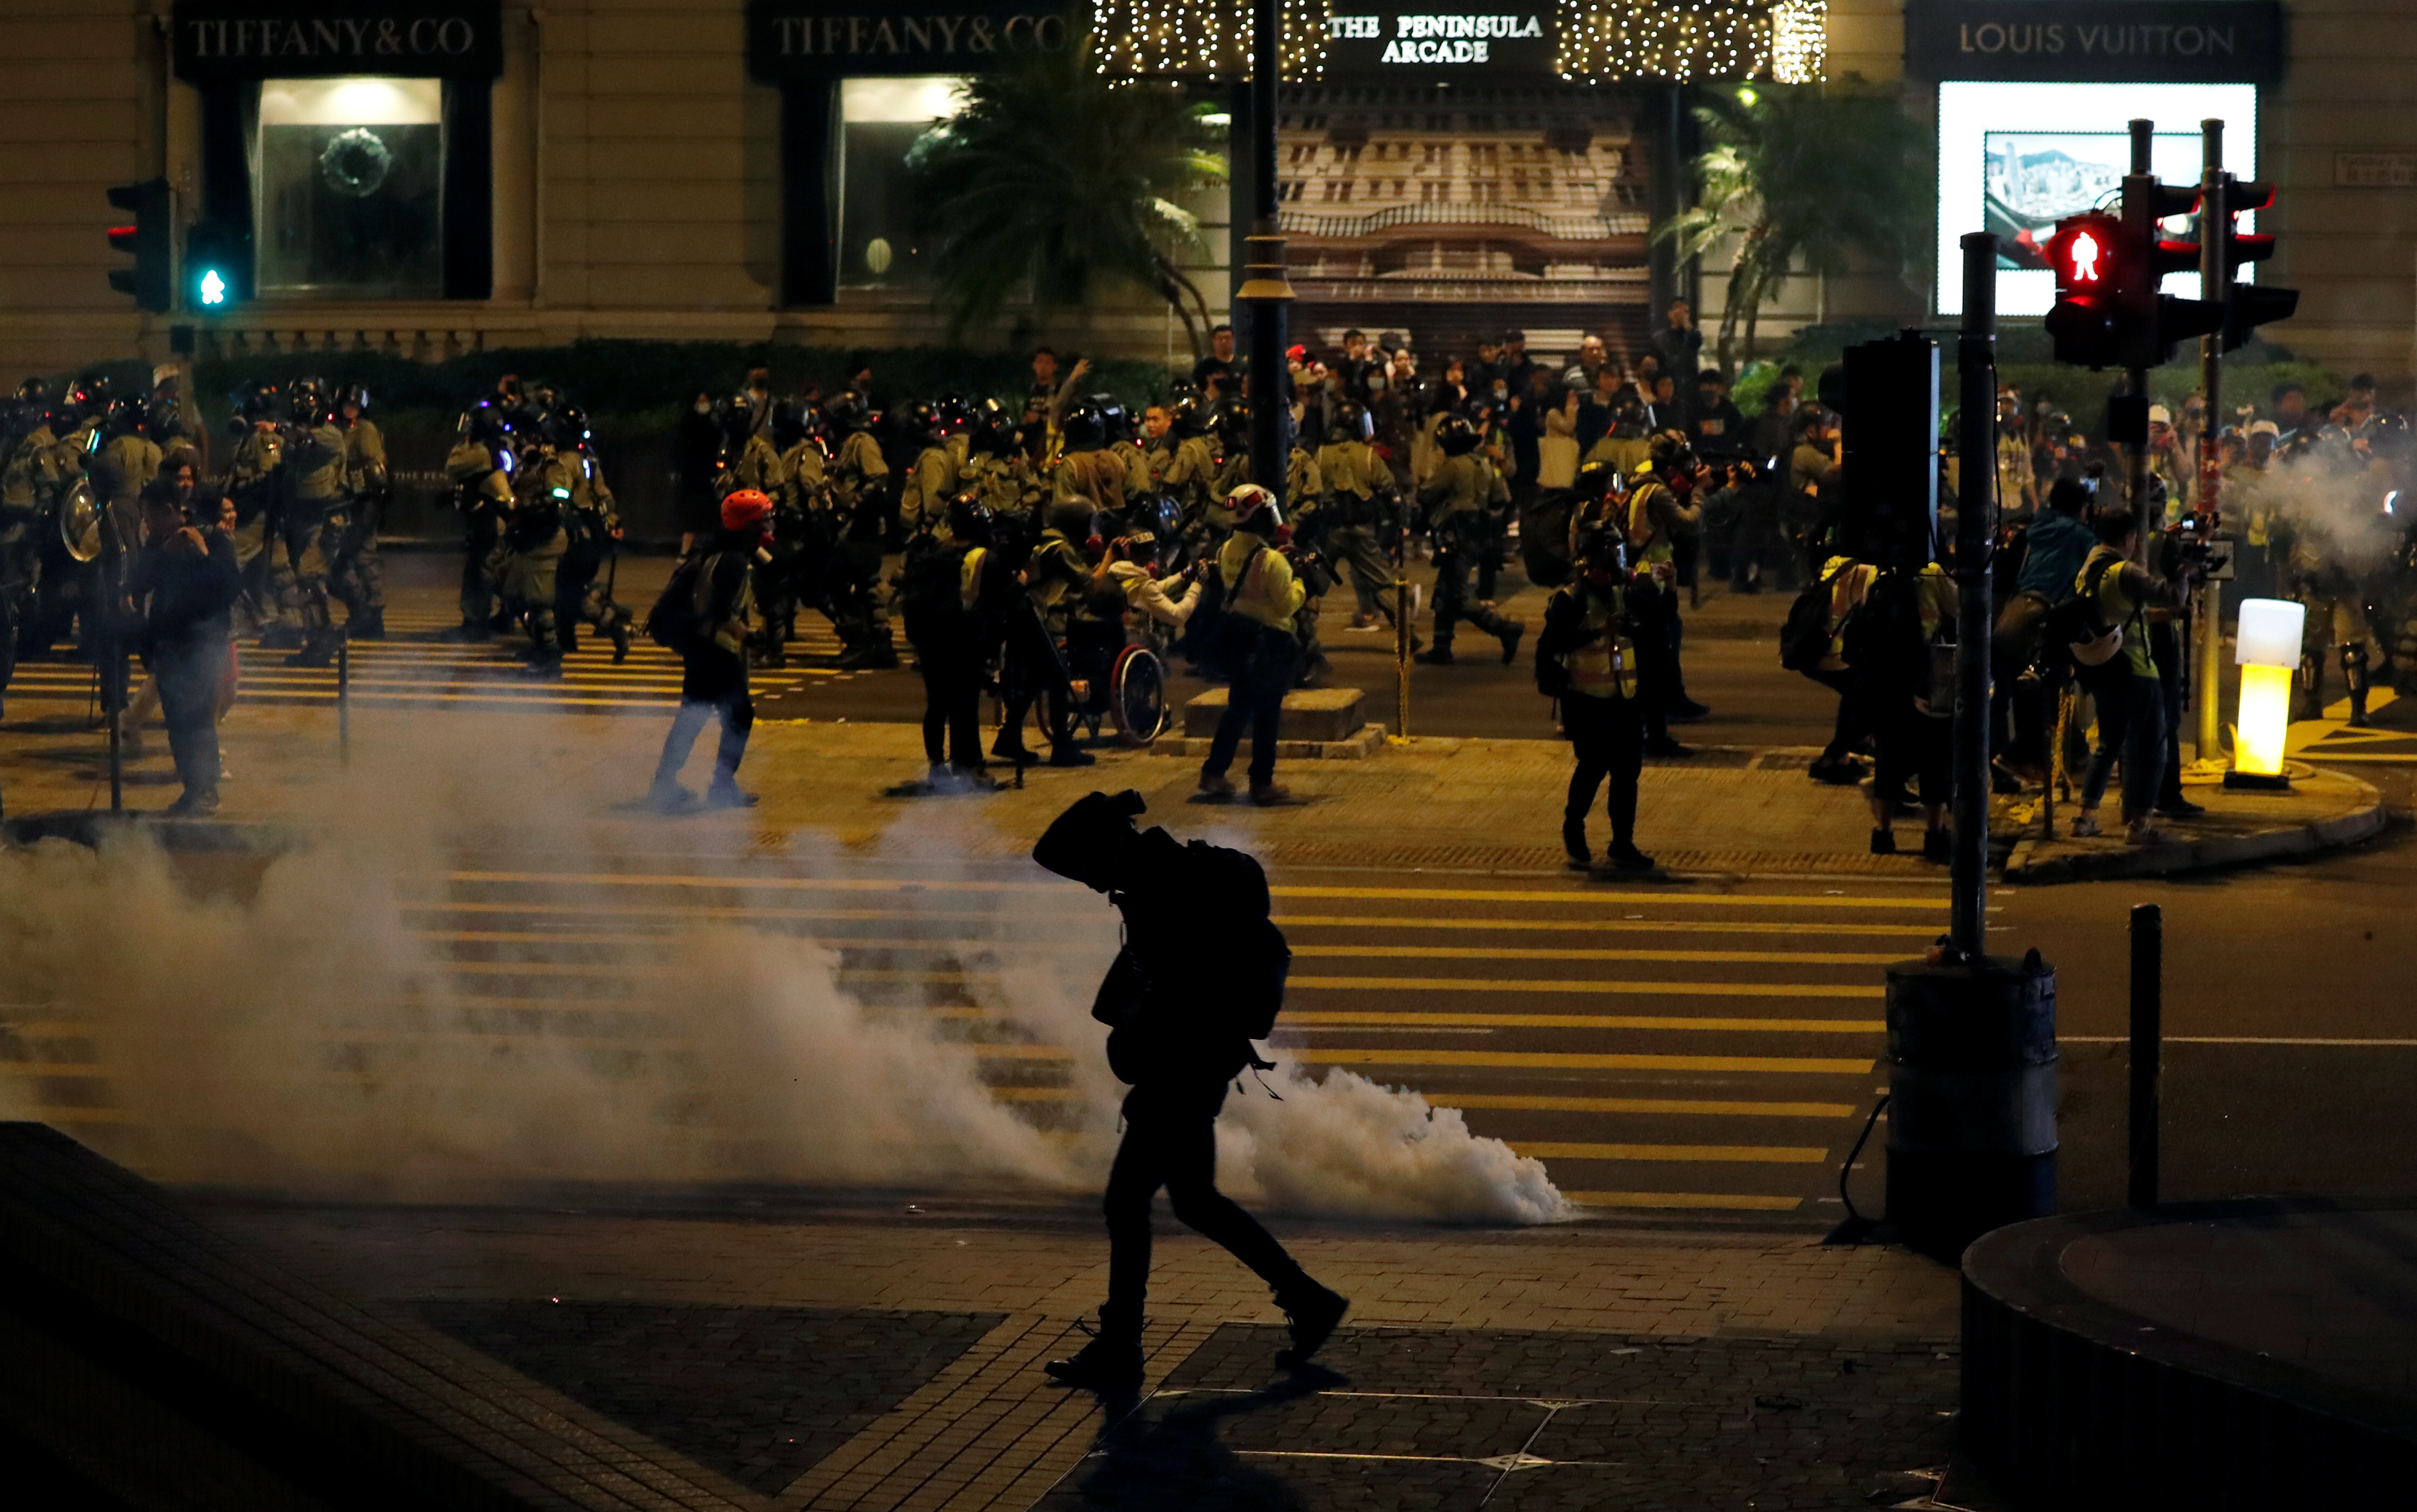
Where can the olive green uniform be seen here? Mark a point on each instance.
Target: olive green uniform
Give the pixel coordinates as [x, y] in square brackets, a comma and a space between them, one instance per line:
[358, 572]
[315, 515]
[1358, 484]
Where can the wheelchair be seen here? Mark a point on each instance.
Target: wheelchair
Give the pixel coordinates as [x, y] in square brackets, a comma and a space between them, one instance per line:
[1117, 680]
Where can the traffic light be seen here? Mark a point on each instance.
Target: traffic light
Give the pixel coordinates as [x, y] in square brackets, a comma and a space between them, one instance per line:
[149, 280]
[2246, 306]
[2088, 253]
[2154, 323]
[217, 263]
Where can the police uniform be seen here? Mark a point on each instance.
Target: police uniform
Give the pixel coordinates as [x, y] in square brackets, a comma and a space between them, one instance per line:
[38, 474]
[315, 515]
[1357, 484]
[592, 531]
[359, 573]
[1052, 575]
[1459, 500]
[124, 467]
[482, 492]
[1586, 636]
[925, 493]
[537, 535]
[859, 481]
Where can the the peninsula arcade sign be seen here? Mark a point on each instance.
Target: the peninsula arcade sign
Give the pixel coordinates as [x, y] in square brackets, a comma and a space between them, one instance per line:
[2131, 41]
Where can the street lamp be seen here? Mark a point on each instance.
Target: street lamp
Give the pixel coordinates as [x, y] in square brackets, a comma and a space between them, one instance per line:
[2268, 653]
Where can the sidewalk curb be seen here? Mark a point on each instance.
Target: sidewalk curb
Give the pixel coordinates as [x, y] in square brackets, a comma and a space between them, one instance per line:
[2330, 832]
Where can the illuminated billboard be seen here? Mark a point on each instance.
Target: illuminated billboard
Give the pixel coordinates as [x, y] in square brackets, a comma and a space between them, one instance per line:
[2015, 157]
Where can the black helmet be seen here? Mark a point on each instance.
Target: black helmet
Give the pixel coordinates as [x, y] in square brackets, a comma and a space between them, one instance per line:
[306, 397]
[564, 429]
[1596, 480]
[953, 414]
[1233, 425]
[489, 420]
[792, 422]
[1352, 422]
[90, 395]
[739, 416]
[968, 521]
[848, 412]
[1085, 427]
[1188, 414]
[1115, 421]
[128, 416]
[1456, 435]
[1071, 521]
[260, 400]
[1671, 455]
[920, 423]
[352, 397]
[1602, 548]
[994, 429]
[34, 390]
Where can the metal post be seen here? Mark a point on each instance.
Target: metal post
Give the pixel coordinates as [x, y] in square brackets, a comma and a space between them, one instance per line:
[2148, 1047]
[2136, 461]
[111, 653]
[1264, 291]
[1976, 521]
[344, 702]
[1402, 658]
[2214, 281]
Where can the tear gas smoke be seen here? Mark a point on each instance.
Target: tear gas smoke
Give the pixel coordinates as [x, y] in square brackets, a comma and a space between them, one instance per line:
[350, 1031]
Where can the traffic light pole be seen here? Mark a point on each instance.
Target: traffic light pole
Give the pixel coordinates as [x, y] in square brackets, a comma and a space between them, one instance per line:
[2215, 282]
[1265, 291]
[1976, 520]
[2136, 449]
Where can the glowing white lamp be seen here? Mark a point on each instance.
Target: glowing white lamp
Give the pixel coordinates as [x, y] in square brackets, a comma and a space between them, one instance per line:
[2268, 653]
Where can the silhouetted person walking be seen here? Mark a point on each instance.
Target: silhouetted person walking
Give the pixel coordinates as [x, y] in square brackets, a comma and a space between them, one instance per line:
[1200, 977]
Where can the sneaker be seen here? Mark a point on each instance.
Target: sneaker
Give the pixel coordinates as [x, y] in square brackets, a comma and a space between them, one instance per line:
[1838, 773]
[2145, 833]
[192, 806]
[620, 641]
[2180, 808]
[369, 625]
[667, 797]
[1366, 625]
[1664, 745]
[1574, 840]
[1439, 657]
[725, 793]
[972, 780]
[1110, 1362]
[1511, 642]
[1012, 751]
[1310, 1315]
[1624, 856]
[2085, 826]
[1939, 845]
[1070, 754]
[1266, 792]
[1884, 842]
[1216, 787]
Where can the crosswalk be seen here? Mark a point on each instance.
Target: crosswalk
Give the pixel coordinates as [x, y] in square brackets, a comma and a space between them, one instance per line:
[1657, 1049]
[2329, 740]
[412, 669]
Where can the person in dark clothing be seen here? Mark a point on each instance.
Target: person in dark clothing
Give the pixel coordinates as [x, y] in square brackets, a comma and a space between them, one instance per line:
[1177, 1045]
[1586, 659]
[188, 581]
[713, 675]
[955, 626]
[696, 460]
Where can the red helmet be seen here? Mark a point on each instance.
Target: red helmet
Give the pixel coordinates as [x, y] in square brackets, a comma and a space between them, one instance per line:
[743, 507]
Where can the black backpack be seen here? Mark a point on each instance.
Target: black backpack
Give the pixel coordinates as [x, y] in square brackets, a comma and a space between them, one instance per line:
[1248, 967]
[1884, 639]
[931, 593]
[677, 622]
[2074, 620]
[1805, 639]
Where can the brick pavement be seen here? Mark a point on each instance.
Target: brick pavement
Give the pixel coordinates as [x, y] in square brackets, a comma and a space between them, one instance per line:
[1717, 1319]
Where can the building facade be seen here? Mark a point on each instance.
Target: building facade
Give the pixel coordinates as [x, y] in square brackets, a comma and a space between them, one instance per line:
[430, 176]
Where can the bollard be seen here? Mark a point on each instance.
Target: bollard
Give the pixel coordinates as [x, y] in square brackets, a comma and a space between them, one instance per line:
[1972, 1140]
[344, 702]
[1402, 658]
[2147, 1049]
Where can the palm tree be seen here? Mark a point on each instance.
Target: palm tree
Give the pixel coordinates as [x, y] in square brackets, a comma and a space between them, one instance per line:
[1057, 179]
[1801, 173]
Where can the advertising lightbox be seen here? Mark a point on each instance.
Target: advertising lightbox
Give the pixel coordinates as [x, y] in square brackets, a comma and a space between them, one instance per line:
[2015, 157]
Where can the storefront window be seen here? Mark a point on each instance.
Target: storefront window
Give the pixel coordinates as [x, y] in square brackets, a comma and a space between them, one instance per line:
[880, 120]
[348, 176]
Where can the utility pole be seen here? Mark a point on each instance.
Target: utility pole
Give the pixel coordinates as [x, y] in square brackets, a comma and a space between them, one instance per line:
[2214, 284]
[2135, 426]
[1264, 290]
[1976, 524]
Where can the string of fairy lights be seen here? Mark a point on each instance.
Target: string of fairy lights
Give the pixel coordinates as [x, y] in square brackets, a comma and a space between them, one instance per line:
[1598, 42]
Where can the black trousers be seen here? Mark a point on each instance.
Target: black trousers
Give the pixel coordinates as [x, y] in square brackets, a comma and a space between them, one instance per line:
[481, 539]
[1607, 735]
[952, 670]
[1171, 1141]
[1852, 722]
[1033, 668]
[1254, 698]
[1653, 629]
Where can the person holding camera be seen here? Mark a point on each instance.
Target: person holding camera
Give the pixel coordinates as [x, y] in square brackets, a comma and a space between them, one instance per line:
[1257, 647]
[187, 581]
[1181, 1021]
[1586, 659]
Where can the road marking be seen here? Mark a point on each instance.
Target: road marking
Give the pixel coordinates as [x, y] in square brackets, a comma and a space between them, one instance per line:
[623, 879]
[2322, 757]
[1698, 957]
[1621, 988]
[1416, 921]
[2238, 1039]
[1687, 1200]
[1523, 1060]
[1801, 1155]
[1520, 1102]
[2378, 700]
[1588, 1020]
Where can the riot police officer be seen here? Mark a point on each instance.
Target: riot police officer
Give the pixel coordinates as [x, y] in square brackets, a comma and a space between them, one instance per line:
[39, 472]
[1360, 489]
[861, 497]
[480, 468]
[358, 572]
[1586, 659]
[1458, 501]
[315, 517]
[930, 480]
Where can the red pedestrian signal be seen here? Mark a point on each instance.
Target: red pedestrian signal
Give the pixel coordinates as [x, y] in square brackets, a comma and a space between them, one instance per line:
[2086, 253]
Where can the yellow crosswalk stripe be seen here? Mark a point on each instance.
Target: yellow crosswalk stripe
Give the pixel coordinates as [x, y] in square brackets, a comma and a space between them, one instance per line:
[1801, 1154]
[1316, 1018]
[1686, 1200]
[1541, 1061]
[1522, 1102]
[1707, 958]
[1640, 926]
[1621, 989]
[1474, 895]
